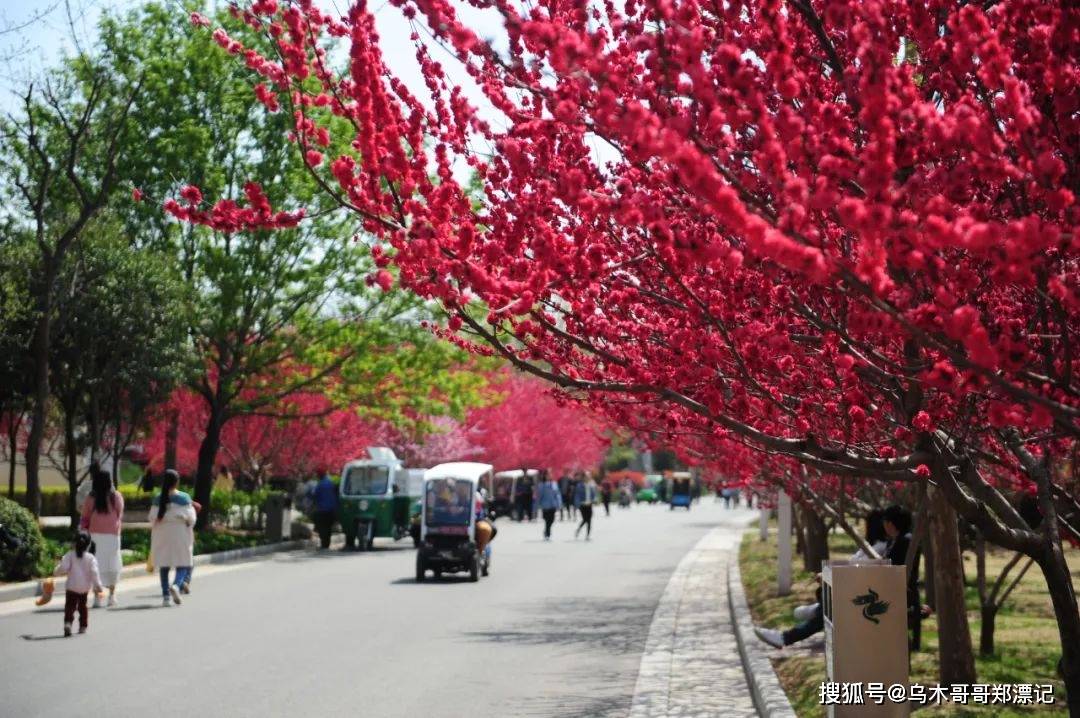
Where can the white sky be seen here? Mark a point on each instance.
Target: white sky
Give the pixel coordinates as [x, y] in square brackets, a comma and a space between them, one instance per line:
[36, 33]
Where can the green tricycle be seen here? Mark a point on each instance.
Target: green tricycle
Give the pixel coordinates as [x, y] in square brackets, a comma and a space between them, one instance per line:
[378, 496]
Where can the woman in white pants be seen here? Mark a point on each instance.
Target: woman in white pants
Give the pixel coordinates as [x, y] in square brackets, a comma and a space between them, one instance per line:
[102, 516]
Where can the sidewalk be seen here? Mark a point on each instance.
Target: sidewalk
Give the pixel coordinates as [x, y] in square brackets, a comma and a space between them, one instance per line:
[691, 666]
[30, 589]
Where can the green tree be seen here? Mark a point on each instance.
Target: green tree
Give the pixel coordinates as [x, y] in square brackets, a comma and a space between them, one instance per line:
[120, 347]
[276, 312]
[61, 153]
[16, 327]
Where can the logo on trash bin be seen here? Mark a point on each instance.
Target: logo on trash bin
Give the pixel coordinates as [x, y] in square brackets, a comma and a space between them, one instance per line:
[872, 607]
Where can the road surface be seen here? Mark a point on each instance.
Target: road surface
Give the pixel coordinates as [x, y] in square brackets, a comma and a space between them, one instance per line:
[557, 630]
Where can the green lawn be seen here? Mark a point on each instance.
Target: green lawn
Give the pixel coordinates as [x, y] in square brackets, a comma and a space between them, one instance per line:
[1026, 639]
[58, 542]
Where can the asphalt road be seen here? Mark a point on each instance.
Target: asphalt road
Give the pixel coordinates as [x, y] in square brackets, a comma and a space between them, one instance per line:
[557, 630]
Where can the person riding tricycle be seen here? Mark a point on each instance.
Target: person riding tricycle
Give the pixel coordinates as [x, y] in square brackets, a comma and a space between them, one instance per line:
[681, 489]
[454, 536]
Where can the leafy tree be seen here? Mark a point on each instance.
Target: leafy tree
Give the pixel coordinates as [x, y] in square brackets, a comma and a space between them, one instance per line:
[120, 346]
[277, 314]
[62, 149]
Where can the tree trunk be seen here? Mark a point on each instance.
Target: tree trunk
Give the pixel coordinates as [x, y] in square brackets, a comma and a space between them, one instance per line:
[72, 459]
[817, 541]
[39, 403]
[13, 448]
[204, 476]
[928, 580]
[988, 615]
[799, 529]
[1063, 597]
[118, 446]
[171, 436]
[956, 660]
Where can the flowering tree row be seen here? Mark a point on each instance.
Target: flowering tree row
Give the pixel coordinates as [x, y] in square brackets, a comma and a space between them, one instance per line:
[519, 425]
[840, 232]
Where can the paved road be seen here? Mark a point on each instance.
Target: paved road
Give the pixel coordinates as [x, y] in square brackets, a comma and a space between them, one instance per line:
[557, 630]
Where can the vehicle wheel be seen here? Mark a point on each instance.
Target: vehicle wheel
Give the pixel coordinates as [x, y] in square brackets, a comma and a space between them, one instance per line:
[474, 569]
[419, 569]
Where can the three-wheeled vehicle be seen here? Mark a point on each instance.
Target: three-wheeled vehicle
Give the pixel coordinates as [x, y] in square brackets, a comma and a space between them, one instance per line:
[448, 521]
[504, 491]
[377, 496]
[680, 489]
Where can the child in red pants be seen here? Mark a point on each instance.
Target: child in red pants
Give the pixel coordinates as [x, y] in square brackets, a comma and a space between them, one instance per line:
[81, 568]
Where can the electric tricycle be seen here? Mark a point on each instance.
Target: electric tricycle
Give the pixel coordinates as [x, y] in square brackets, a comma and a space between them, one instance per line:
[450, 541]
[377, 498]
[681, 489]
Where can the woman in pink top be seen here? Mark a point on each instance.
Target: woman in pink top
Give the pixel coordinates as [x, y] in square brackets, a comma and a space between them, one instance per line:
[102, 512]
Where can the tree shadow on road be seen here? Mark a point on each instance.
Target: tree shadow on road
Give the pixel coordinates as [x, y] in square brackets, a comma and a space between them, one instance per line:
[609, 626]
[572, 703]
[337, 554]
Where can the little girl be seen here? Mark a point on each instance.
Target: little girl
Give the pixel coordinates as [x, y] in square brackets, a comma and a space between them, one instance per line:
[81, 569]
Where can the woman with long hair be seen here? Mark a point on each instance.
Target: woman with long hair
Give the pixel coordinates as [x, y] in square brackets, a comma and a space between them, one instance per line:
[102, 516]
[171, 536]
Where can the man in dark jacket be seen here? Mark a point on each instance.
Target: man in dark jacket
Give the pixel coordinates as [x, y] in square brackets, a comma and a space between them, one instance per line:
[324, 498]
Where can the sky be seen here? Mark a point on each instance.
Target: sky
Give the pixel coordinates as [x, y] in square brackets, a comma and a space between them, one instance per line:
[35, 34]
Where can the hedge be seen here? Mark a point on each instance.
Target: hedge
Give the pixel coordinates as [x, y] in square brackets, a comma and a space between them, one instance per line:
[20, 562]
[235, 509]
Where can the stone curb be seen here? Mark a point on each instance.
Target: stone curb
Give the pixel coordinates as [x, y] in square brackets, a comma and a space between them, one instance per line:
[690, 666]
[29, 589]
[769, 698]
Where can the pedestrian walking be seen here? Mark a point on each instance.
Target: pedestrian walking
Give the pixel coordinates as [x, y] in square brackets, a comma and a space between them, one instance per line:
[584, 498]
[172, 537]
[523, 498]
[102, 516]
[568, 495]
[146, 481]
[324, 497]
[81, 569]
[550, 501]
[564, 490]
[605, 496]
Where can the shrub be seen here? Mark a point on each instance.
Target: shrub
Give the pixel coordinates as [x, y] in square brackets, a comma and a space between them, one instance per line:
[20, 563]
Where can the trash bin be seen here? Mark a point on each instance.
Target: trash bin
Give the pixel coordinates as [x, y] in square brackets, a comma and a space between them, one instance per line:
[866, 639]
[278, 517]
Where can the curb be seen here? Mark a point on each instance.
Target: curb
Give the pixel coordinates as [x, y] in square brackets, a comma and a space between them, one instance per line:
[769, 698]
[29, 589]
[690, 666]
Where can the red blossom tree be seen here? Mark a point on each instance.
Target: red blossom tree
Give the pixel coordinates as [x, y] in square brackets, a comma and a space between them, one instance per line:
[839, 232]
[529, 428]
[305, 433]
